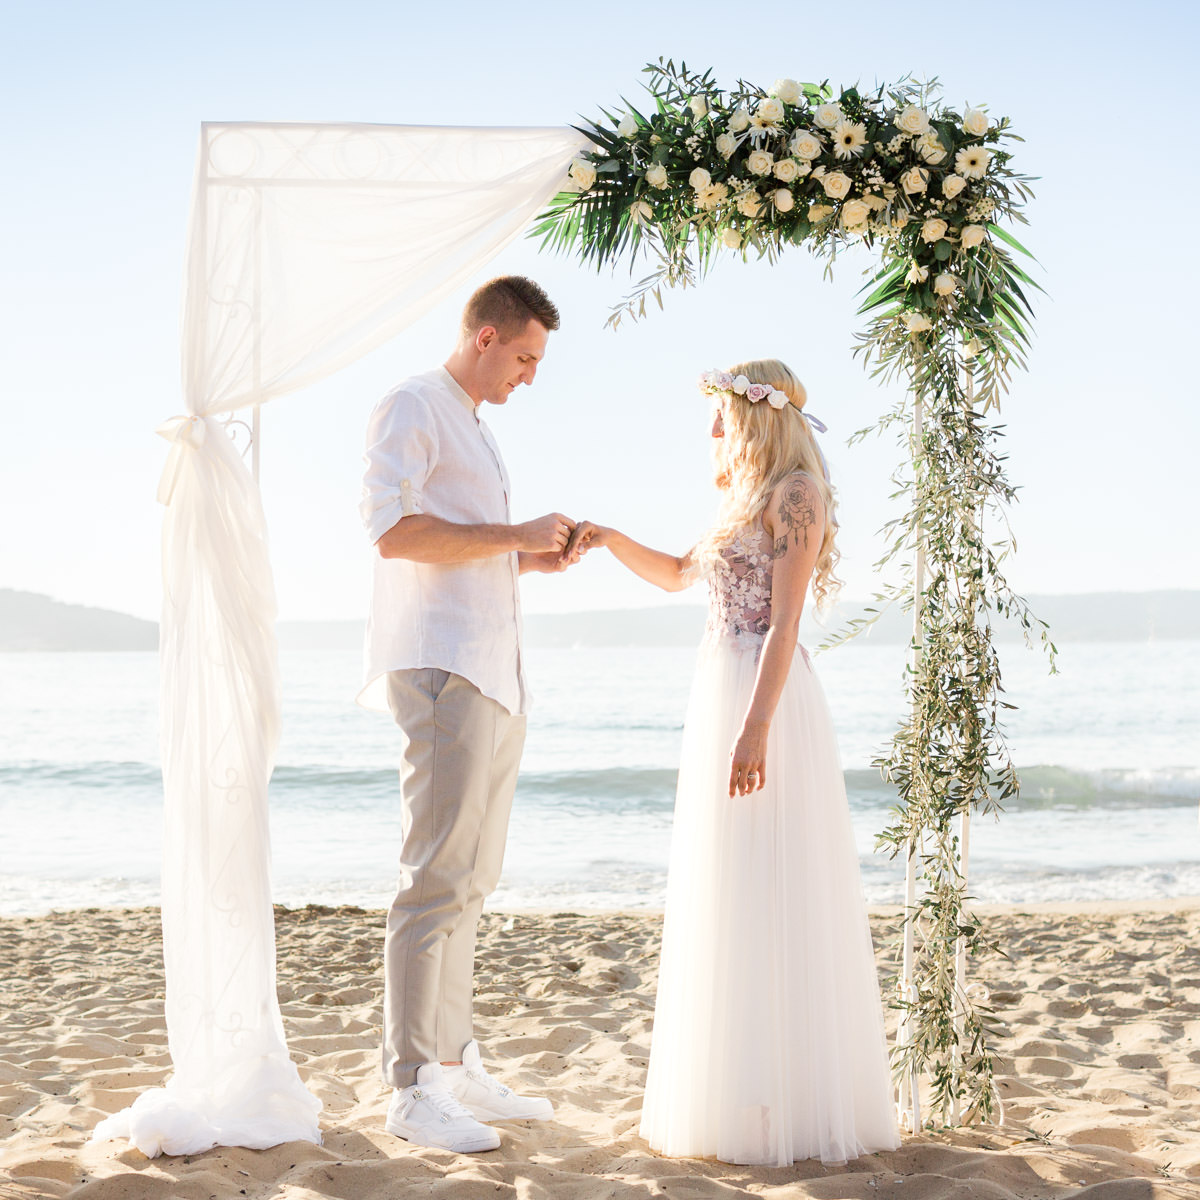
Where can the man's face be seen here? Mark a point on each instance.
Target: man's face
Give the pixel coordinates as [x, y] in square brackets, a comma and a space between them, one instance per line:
[505, 365]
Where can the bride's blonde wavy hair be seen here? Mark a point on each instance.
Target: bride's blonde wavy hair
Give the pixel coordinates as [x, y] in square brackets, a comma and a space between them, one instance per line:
[762, 446]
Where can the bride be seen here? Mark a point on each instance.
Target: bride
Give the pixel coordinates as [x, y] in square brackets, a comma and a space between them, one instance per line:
[768, 1039]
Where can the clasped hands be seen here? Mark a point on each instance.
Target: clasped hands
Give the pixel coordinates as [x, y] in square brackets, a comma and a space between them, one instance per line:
[555, 542]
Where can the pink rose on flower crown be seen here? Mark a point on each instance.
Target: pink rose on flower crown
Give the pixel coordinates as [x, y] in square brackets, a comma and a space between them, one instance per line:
[756, 392]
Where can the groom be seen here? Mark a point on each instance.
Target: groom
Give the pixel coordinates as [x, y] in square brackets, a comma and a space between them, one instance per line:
[444, 657]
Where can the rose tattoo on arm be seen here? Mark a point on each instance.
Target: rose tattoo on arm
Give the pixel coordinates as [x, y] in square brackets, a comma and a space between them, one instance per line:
[797, 514]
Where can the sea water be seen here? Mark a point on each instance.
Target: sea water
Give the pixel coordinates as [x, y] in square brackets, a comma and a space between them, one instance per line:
[1108, 752]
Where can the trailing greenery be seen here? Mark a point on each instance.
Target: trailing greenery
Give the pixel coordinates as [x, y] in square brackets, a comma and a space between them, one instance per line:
[702, 170]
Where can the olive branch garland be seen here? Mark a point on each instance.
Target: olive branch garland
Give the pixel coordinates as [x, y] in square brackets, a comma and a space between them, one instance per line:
[948, 312]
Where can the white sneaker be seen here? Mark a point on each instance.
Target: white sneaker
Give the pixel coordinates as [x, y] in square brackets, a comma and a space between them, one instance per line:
[488, 1098]
[427, 1114]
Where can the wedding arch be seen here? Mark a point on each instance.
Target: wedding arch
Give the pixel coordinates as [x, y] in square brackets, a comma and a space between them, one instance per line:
[311, 245]
[749, 170]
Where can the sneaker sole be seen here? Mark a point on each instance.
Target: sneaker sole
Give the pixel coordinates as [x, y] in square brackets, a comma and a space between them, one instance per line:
[418, 1137]
[542, 1110]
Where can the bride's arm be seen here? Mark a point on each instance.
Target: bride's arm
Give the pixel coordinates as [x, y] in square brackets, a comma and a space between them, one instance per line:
[795, 519]
[654, 566]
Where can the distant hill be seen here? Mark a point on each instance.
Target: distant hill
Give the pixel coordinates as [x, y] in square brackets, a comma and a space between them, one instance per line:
[1095, 617]
[32, 622]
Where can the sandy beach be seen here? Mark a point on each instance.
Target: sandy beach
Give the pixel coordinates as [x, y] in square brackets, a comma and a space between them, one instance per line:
[1100, 1006]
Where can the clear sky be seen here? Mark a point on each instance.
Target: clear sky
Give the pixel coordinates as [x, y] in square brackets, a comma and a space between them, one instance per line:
[102, 104]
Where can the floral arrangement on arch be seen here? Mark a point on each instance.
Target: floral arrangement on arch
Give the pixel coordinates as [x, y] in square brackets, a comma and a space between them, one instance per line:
[754, 170]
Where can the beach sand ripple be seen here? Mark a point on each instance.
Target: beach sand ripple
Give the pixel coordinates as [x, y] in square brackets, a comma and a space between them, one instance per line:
[1100, 1070]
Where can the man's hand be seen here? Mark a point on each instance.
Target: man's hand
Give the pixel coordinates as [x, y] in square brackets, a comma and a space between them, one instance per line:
[548, 562]
[545, 535]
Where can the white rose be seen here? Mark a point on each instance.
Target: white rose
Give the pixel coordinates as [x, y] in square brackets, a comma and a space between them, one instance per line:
[759, 162]
[975, 122]
[934, 229]
[726, 144]
[818, 212]
[914, 181]
[972, 236]
[699, 106]
[787, 170]
[628, 127]
[916, 322]
[739, 120]
[583, 173]
[806, 145]
[900, 218]
[788, 90]
[749, 204]
[656, 175]
[827, 115]
[913, 120]
[731, 238]
[769, 111]
[855, 213]
[972, 161]
[784, 200]
[931, 149]
[917, 274]
[740, 384]
[944, 285]
[952, 185]
[699, 178]
[837, 185]
[640, 211]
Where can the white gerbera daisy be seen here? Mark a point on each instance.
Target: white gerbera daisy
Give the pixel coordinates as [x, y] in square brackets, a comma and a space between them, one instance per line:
[972, 161]
[849, 138]
[709, 197]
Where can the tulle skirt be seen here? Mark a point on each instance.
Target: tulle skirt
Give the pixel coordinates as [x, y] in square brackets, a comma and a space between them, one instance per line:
[768, 1042]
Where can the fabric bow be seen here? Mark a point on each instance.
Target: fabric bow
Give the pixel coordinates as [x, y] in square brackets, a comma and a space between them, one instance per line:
[182, 432]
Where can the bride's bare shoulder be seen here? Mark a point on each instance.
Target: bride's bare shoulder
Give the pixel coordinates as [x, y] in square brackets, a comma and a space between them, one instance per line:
[795, 504]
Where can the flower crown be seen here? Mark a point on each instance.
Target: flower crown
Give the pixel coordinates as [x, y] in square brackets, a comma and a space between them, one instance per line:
[721, 382]
[739, 385]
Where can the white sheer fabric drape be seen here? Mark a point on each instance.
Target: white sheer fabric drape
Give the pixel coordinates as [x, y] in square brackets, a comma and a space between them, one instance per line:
[310, 245]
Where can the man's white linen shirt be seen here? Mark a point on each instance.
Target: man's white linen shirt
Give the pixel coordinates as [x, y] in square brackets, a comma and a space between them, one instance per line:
[428, 452]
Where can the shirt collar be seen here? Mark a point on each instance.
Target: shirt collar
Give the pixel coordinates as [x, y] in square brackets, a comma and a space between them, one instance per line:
[455, 389]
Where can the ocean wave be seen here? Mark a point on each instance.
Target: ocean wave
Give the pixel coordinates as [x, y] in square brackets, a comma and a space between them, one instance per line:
[1042, 787]
[1050, 786]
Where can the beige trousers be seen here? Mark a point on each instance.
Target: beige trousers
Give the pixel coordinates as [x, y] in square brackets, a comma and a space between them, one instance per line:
[457, 777]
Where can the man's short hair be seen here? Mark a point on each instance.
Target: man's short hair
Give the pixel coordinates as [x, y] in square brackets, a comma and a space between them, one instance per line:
[507, 303]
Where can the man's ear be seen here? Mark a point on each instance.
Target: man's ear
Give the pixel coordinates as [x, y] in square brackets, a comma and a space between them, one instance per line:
[484, 338]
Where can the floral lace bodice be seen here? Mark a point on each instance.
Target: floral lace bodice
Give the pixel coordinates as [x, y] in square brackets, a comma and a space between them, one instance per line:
[739, 589]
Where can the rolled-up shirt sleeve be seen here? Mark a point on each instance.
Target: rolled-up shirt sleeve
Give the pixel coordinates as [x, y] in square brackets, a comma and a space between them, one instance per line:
[400, 456]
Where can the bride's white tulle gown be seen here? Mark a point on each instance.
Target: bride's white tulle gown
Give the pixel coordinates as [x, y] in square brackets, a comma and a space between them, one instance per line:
[768, 1042]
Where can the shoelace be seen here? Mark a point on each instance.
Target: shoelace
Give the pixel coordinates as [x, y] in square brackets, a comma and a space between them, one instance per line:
[493, 1085]
[442, 1099]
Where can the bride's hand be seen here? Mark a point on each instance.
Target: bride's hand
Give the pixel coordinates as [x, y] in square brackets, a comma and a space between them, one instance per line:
[748, 761]
[588, 536]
